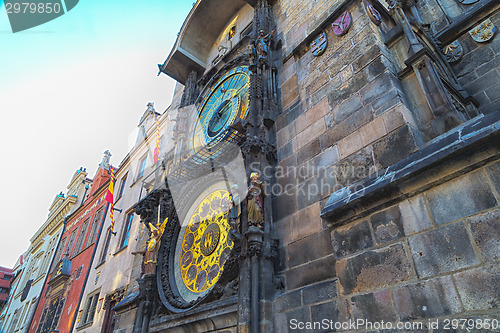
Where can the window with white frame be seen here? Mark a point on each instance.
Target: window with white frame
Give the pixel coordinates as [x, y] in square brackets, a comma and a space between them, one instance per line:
[90, 308]
[142, 166]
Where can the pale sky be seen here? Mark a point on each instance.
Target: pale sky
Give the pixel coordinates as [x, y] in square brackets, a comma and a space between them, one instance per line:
[70, 89]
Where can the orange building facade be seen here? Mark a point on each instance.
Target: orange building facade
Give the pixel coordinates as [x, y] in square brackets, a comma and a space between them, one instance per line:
[62, 292]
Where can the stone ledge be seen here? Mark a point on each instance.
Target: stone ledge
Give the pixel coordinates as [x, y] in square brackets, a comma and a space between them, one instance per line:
[206, 317]
[466, 147]
[463, 23]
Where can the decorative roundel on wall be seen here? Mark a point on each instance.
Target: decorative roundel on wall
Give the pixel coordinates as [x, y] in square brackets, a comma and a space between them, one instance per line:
[374, 14]
[342, 25]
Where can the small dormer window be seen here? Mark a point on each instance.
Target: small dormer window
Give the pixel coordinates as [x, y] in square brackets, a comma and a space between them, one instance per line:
[232, 32]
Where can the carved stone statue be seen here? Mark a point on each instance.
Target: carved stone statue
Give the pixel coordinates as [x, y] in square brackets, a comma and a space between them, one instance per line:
[235, 210]
[153, 244]
[151, 107]
[106, 160]
[255, 201]
[262, 44]
[251, 54]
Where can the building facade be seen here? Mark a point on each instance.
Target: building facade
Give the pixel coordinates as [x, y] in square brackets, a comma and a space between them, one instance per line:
[37, 260]
[334, 161]
[116, 267]
[17, 271]
[325, 166]
[62, 292]
[6, 277]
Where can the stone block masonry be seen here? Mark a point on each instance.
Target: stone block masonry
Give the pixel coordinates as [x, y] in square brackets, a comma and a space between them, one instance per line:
[402, 263]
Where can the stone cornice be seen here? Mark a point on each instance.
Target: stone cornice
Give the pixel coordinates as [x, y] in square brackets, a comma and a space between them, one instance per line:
[466, 148]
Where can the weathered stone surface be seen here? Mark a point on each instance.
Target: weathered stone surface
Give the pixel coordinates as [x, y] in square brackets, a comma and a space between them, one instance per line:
[309, 151]
[377, 88]
[350, 144]
[290, 99]
[394, 147]
[356, 167]
[318, 111]
[320, 292]
[366, 57]
[387, 225]
[347, 108]
[284, 230]
[309, 248]
[461, 197]
[485, 230]
[315, 271]
[288, 301]
[396, 117]
[494, 173]
[372, 131]
[373, 269]
[289, 85]
[289, 115]
[318, 83]
[347, 89]
[373, 307]
[325, 311]
[311, 133]
[493, 92]
[427, 299]
[442, 250]
[414, 215]
[283, 320]
[326, 159]
[479, 288]
[286, 150]
[285, 135]
[350, 124]
[351, 238]
[286, 204]
[317, 188]
[486, 81]
[306, 222]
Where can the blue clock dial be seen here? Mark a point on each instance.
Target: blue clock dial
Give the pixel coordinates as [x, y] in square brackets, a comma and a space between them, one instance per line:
[225, 104]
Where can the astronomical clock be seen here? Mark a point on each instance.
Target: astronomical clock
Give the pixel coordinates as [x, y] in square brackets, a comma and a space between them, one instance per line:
[194, 252]
[225, 104]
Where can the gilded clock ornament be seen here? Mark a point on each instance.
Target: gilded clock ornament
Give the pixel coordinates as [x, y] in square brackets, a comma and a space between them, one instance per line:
[152, 247]
[204, 245]
[225, 104]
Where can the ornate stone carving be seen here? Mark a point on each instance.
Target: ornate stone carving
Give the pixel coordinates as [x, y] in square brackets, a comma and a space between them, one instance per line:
[453, 52]
[255, 201]
[483, 32]
[254, 239]
[115, 296]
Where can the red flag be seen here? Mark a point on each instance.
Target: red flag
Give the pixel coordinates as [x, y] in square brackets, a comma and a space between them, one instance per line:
[156, 153]
[109, 196]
